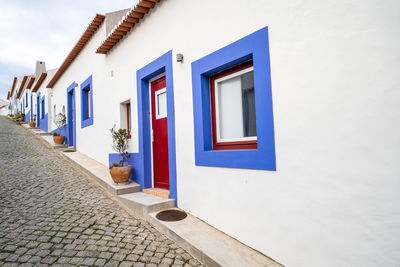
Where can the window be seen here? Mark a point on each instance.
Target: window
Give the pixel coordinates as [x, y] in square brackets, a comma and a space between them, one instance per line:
[128, 119]
[86, 103]
[42, 109]
[26, 99]
[161, 103]
[126, 123]
[233, 108]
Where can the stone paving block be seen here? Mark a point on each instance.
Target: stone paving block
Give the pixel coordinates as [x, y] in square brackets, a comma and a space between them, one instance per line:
[67, 220]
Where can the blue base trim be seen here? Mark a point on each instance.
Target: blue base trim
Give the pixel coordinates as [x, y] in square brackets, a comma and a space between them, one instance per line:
[62, 131]
[27, 117]
[253, 46]
[137, 168]
[43, 123]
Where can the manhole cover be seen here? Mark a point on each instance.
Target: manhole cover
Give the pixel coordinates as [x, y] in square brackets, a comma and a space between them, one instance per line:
[171, 215]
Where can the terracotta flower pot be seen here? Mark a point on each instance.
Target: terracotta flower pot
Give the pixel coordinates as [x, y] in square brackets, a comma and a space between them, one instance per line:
[32, 124]
[59, 140]
[121, 174]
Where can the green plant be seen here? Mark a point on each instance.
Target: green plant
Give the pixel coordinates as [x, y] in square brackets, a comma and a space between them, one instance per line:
[120, 143]
[60, 121]
[34, 117]
[18, 115]
[56, 134]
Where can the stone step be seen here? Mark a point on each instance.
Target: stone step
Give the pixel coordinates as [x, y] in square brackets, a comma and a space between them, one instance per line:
[142, 204]
[100, 173]
[50, 141]
[159, 192]
[211, 246]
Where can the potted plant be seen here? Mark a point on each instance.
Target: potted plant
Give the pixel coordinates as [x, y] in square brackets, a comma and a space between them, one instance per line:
[60, 121]
[119, 172]
[32, 123]
[19, 116]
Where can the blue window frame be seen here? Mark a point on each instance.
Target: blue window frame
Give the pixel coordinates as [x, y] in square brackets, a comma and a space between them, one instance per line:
[252, 47]
[42, 108]
[87, 102]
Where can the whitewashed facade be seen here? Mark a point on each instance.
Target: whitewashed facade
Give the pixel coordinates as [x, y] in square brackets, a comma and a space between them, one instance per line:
[332, 198]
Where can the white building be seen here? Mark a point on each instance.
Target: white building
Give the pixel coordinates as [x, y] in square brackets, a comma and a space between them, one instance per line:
[275, 122]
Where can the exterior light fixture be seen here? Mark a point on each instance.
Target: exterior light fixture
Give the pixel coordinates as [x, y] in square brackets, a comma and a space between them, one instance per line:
[179, 57]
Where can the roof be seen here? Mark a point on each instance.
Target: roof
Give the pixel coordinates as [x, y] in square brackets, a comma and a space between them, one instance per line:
[31, 80]
[39, 81]
[132, 17]
[13, 86]
[8, 95]
[21, 87]
[86, 36]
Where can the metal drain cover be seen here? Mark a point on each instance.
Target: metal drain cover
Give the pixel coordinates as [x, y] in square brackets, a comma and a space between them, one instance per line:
[171, 215]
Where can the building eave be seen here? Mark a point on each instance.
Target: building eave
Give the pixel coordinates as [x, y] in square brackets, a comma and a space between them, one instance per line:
[21, 87]
[86, 36]
[132, 17]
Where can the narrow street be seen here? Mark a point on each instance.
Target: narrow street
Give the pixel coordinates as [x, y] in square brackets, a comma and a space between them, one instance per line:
[50, 214]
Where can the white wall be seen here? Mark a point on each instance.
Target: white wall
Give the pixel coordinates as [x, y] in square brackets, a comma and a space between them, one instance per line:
[333, 200]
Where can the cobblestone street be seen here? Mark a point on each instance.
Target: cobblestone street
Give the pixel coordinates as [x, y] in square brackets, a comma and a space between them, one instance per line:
[50, 214]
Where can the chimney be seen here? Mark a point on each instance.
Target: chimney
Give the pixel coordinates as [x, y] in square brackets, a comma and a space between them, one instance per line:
[40, 67]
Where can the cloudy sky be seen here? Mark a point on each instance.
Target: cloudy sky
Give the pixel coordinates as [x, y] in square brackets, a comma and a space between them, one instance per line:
[43, 30]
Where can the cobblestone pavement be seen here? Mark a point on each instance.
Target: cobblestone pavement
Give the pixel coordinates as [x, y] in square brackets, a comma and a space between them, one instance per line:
[51, 215]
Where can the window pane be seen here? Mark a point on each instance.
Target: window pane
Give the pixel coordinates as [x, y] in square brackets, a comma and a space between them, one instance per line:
[162, 103]
[249, 107]
[236, 107]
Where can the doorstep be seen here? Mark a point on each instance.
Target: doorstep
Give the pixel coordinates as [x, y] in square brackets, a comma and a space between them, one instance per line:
[159, 192]
[142, 204]
[211, 246]
[100, 172]
[49, 139]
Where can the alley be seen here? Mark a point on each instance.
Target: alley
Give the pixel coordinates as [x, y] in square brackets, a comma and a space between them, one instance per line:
[51, 214]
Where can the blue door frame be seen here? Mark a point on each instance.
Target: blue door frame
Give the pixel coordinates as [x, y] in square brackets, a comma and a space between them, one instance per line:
[71, 115]
[31, 108]
[38, 110]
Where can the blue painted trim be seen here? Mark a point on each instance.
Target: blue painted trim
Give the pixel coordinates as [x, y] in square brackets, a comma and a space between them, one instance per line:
[38, 110]
[42, 108]
[141, 161]
[27, 116]
[63, 131]
[86, 86]
[71, 116]
[254, 46]
[31, 108]
[44, 123]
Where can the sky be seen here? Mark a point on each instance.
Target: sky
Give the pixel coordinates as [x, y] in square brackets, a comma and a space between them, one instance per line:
[44, 30]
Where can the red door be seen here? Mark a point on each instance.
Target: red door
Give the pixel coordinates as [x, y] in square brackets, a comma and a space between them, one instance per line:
[160, 133]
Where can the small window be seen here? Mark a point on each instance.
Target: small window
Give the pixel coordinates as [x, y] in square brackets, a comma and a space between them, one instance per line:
[26, 99]
[86, 100]
[54, 111]
[233, 108]
[86, 103]
[128, 119]
[42, 109]
[161, 103]
[126, 123]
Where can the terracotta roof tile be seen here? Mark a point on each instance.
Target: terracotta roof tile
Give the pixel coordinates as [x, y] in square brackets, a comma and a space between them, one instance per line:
[133, 16]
